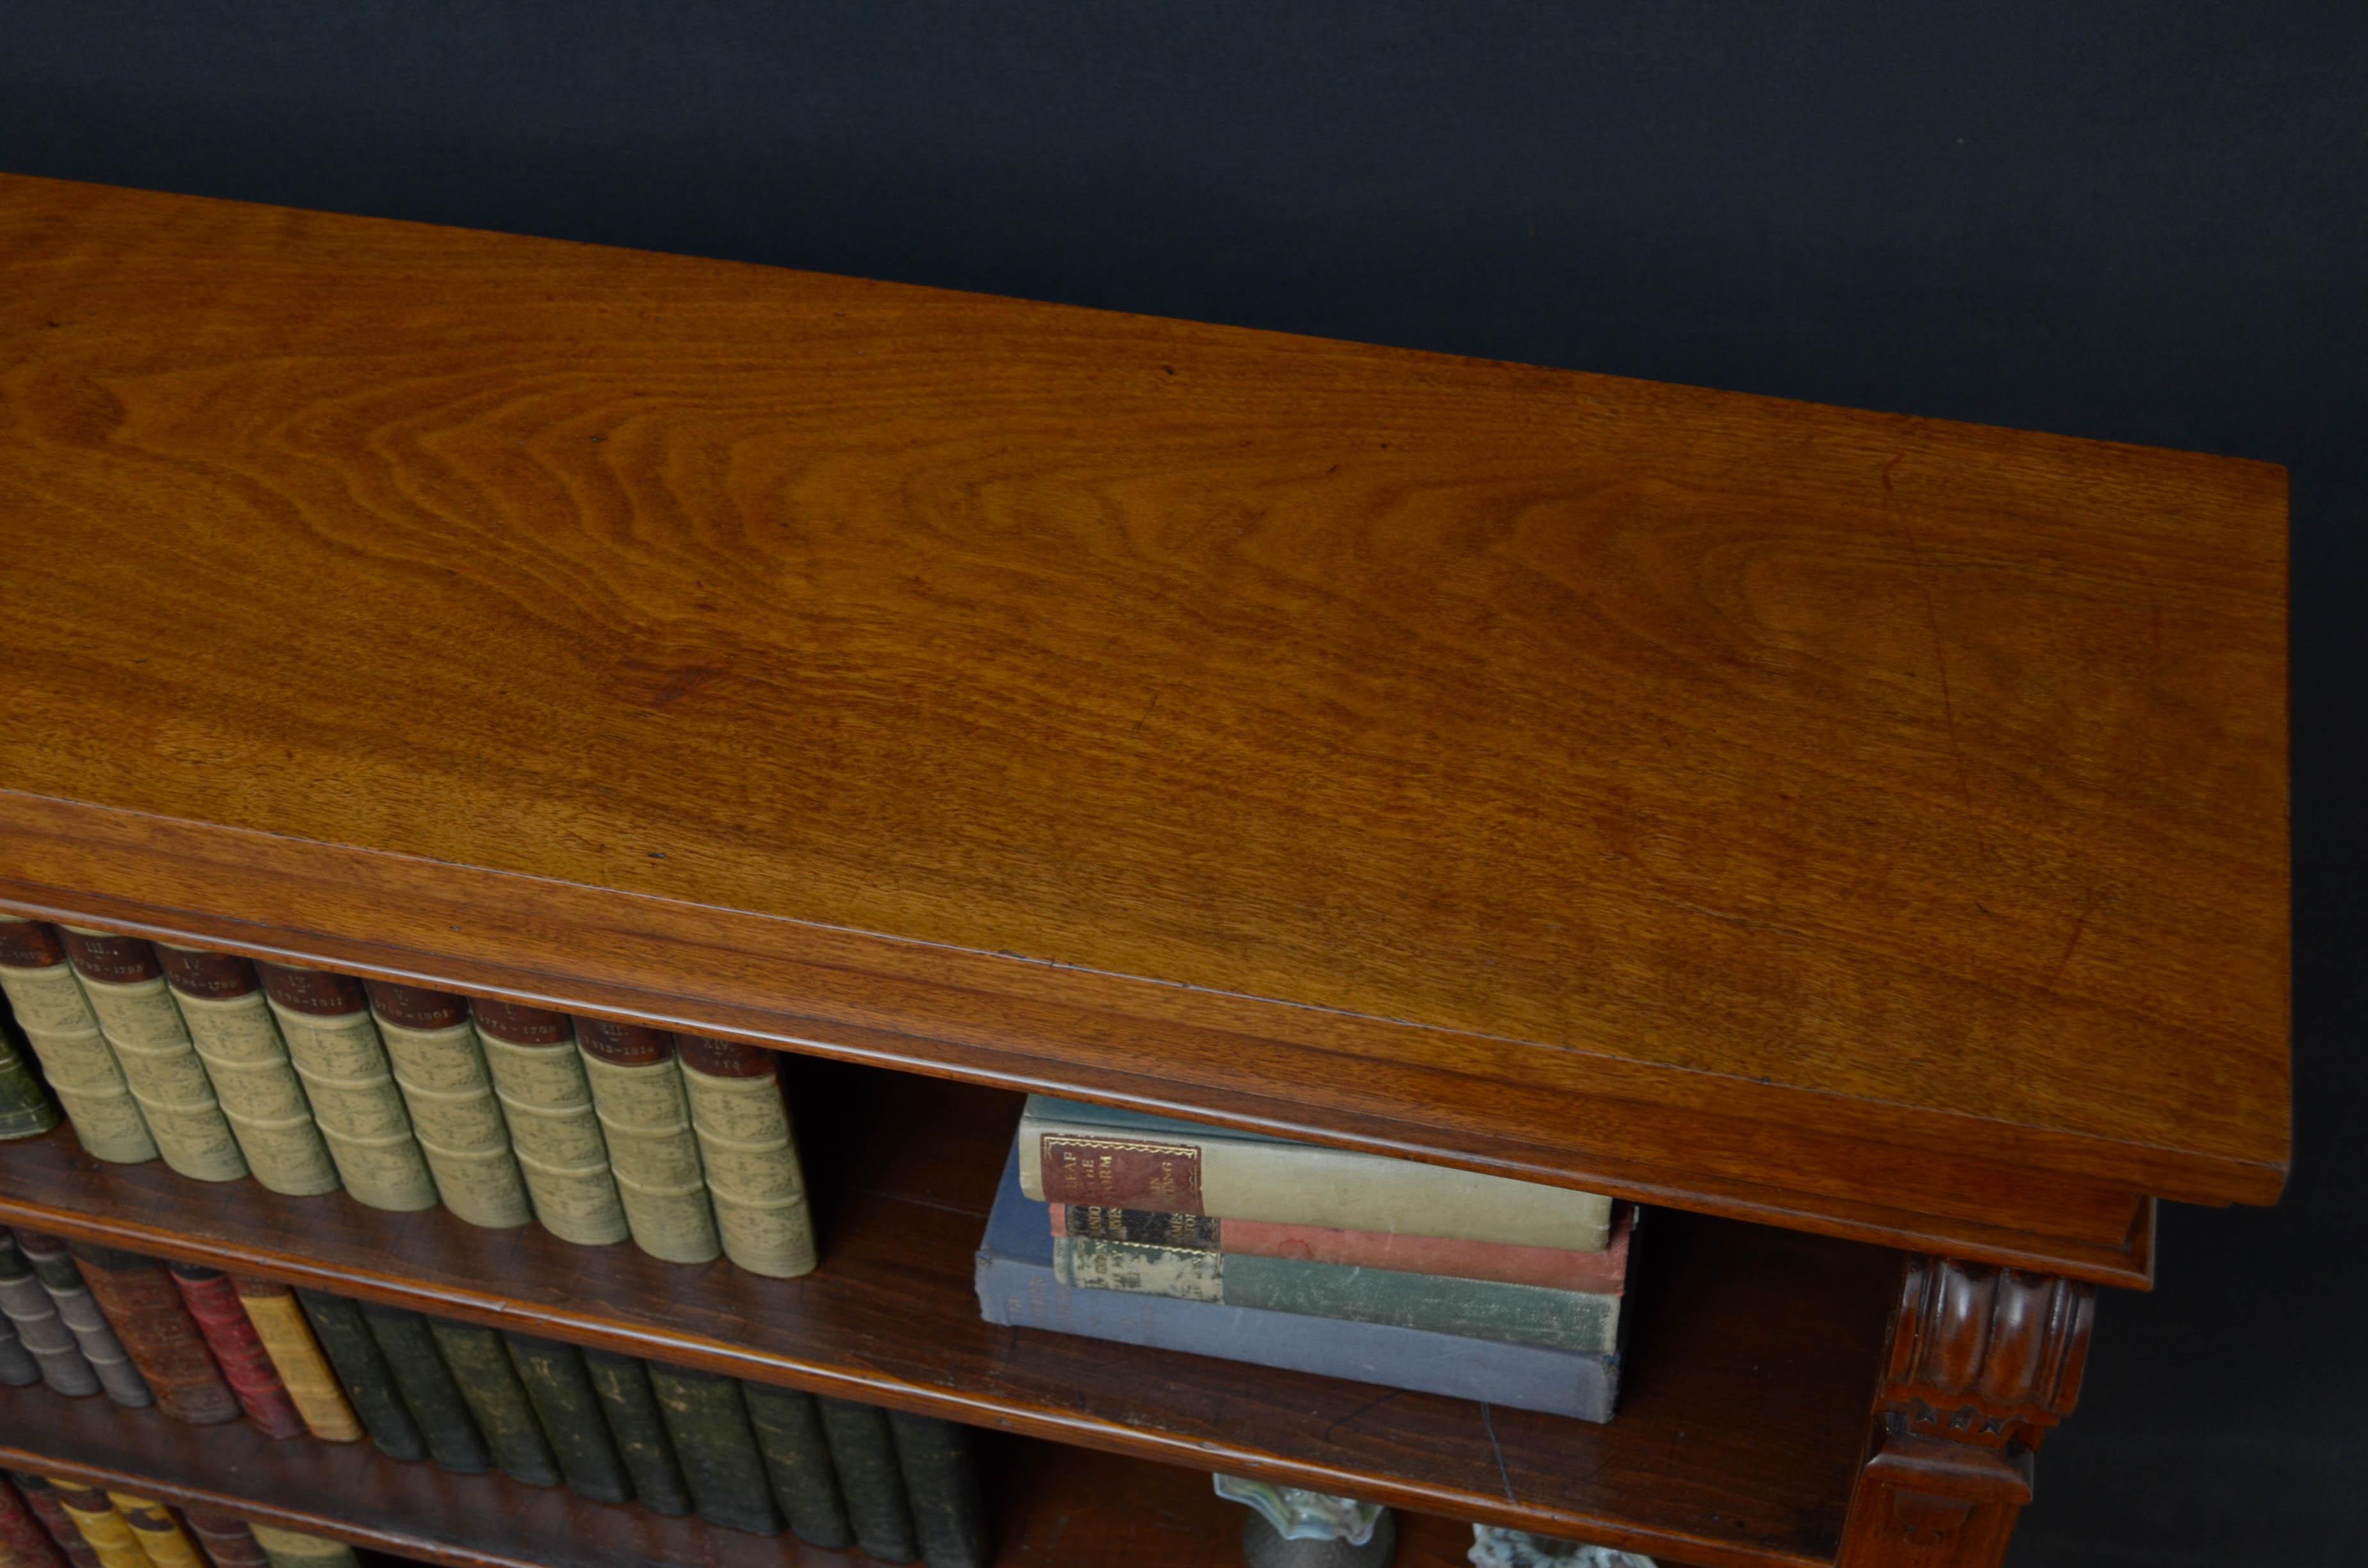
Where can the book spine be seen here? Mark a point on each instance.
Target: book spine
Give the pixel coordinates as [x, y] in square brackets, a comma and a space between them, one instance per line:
[65, 1035]
[797, 1458]
[230, 1026]
[157, 1330]
[335, 1048]
[1146, 1227]
[78, 1308]
[18, 1367]
[941, 1479]
[634, 1420]
[708, 1421]
[39, 1328]
[94, 1518]
[1066, 1158]
[24, 1543]
[227, 1541]
[1556, 1268]
[237, 1349]
[159, 1534]
[1184, 1273]
[25, 1108]
[560, 1385]
[754, 1178]
[863, 1452]
[362, 1372]
[480, 1365]
[304, 1371]
[293, 1549]
[1473, 1309]
[136, 1013]
[554, 1131]
[427, 1388]
[41, 1498]
[645, 1120]
[441, 1069]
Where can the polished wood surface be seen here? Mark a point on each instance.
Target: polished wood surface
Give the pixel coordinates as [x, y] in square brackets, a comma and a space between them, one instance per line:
[1870, 822]
[1053, 1506]
[1743, 1400]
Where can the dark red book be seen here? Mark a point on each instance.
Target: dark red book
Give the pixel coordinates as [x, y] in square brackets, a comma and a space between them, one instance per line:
[56, 1523]
[238, 1349]
[226, 1539]
[158, 1334]
[24, 1541]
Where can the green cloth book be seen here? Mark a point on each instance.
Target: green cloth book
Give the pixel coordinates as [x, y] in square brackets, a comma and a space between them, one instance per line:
[797, 1457]
[429, 1390]
[25, 1108]
[481, 1364]
[941, 1483]
[1470, 1309]
[708, 1420]
[563, 1397]
[362, 1372]
[863, 1451]
[630, 1407]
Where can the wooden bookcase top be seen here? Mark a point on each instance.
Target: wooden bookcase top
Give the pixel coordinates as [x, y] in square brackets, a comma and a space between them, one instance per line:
[1861, 822]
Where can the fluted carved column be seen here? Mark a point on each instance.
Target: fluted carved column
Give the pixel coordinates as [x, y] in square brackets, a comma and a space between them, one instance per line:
[1982, 1361]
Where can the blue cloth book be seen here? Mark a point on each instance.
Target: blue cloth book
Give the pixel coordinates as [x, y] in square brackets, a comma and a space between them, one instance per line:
[1018, 1286]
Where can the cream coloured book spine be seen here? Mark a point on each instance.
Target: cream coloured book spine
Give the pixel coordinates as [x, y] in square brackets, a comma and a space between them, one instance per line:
[335, 1048]
[554, 1130]
[127, 991]
[645, 1120]
[222, 1002]
[441, 1069]
[63, 1033]
[753, 1177]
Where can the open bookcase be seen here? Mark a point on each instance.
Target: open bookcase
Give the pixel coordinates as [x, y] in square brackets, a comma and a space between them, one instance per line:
[1858, 839]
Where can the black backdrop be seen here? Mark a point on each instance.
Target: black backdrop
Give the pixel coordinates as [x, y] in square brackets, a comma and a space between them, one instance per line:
[2146, 223]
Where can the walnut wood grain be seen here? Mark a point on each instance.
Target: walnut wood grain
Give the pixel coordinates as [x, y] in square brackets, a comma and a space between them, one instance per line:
[1743, 1411]
[1646, 787]
[1053, 1506]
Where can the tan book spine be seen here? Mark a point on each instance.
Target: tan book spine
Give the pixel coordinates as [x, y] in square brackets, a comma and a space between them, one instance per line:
[441, 1069]
[554, 1130]
[159, 1534]
[109, 1533]
[65, 1035]
[336, 1051]
[287, 1336]
[222, 1003]
[753, 1177]
[136, 1013]
[293, 1549]
[645, 1119]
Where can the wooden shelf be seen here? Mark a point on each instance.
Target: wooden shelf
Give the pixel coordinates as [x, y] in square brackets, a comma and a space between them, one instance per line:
[1055, 1507]
[1742, 1423]
[1866, 825]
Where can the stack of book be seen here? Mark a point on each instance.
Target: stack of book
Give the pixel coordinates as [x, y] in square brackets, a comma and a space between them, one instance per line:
[1122, 1226]
[404, 1097]
[48, 1521]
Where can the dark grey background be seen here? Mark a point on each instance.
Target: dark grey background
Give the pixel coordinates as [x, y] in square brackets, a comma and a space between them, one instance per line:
[2136, 221]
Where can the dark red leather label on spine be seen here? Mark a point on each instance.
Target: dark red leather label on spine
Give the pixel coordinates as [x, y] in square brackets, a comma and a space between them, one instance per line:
[238, 1349]
[158, 1334]
[724, 1058]
[117, 960]
[312, 990]
[416, 1006]
[22, 1538]
[217, 976]
[28, 944]
[226, 1539]
[1122, 1173]
[626, 1045]
[518, 1025]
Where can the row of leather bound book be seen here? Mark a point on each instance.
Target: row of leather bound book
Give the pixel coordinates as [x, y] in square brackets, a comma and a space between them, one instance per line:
[310, 1081]
[203, 1346]
[49, 1522]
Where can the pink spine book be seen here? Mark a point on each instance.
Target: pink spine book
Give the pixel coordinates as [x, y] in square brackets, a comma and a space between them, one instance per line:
[1598, 1273]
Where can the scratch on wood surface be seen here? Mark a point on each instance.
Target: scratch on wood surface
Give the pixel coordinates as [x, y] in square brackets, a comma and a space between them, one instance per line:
[1940, 651]
[2072, 941]
[1488, 1420]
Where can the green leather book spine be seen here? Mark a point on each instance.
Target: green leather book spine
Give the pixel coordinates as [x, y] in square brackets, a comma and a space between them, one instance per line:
[941, 1481]
[564, 1397]
[708, 1420]
[863, 1451]
[362, 1372]
[638, 1426]
[25, 1108]
[427, 1388]
[480, 1362]
[797, 1458]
